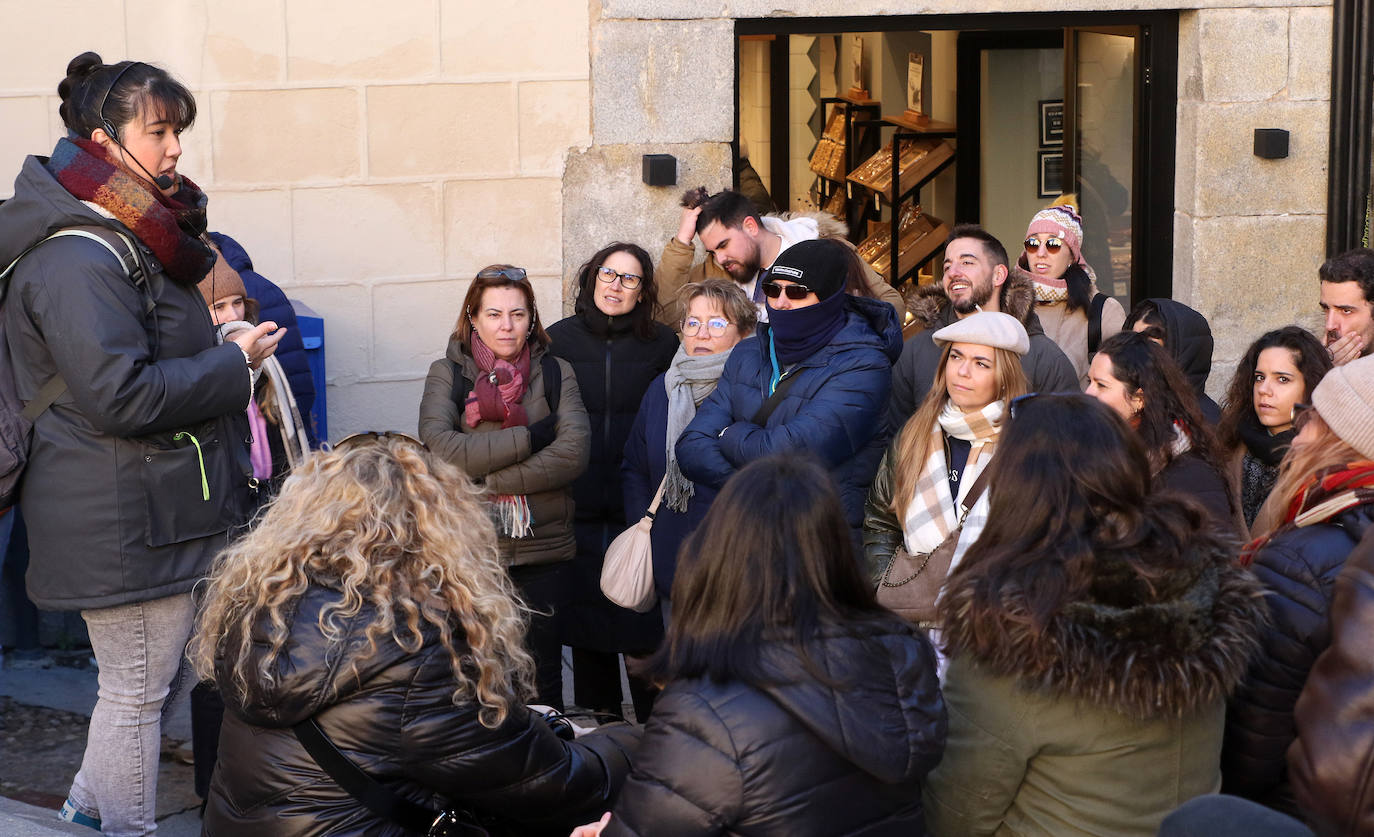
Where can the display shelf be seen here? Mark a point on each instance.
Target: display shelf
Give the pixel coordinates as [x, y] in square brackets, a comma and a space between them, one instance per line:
[920, 237]
[919, 160]
[847, 134]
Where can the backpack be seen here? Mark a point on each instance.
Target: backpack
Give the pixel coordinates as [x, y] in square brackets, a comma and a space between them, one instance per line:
[553, 384]
[1095, 323]
[16, 417]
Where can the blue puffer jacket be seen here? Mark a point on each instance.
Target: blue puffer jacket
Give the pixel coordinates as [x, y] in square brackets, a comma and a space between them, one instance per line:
[273, 305]
[834, 410]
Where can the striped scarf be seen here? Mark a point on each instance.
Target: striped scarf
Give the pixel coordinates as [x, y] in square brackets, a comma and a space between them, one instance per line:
[930, 516]
[1329, 492]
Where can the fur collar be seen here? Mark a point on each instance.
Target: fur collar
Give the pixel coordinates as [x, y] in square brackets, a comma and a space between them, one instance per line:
[931, 308]
[1146, 654]
[828, 225]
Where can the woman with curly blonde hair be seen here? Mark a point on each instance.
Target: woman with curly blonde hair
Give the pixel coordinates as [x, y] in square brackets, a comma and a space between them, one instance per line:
[372, 600]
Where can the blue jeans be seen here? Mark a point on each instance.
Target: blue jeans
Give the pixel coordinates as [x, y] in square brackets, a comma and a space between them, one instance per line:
[1224, 816]
[139, 648]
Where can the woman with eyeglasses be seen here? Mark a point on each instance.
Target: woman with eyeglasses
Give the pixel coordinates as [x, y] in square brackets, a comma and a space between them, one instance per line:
[1093, 631]
[501, 407]
[372, 608]
[1135, 376]
[718, 314]
[1277, 373]
[1321, 505]
[1075, 314]
[931, 485]
[616, 347]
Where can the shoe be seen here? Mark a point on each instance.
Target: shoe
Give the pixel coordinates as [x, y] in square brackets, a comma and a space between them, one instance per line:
[71, 815]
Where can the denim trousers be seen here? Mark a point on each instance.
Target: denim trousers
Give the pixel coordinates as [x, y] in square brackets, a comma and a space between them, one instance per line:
[139, 648]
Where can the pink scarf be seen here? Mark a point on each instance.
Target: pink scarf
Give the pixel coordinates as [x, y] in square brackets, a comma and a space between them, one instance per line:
[260, 453]
[497, 393]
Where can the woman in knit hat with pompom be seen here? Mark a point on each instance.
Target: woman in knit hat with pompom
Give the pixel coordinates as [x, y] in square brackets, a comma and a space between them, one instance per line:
[1066, 293]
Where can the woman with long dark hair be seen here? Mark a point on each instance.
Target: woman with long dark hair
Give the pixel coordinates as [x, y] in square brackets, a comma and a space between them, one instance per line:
[616, 348]
[1094, 632]
[792, 703]
[1135, 376]
[1277, 373]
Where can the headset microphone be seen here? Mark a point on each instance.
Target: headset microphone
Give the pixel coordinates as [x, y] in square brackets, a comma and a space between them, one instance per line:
[163, 181]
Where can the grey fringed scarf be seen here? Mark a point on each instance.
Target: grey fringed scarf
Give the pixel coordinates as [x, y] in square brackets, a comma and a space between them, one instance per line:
[689, 379]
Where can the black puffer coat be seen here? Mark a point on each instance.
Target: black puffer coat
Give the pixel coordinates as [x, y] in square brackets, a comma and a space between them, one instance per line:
[1298, 569]
[397, 721]
[614, 369]
[799, 757]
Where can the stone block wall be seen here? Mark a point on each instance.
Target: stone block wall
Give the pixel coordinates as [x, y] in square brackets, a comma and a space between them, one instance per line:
[370, 157]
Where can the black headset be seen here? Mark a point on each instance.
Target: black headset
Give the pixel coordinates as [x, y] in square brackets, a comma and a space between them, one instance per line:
[162, 181]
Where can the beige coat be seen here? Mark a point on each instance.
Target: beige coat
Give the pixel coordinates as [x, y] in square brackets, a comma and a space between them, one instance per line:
[501, 459]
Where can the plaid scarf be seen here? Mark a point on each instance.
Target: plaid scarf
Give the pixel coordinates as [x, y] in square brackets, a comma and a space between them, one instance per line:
[172, 227]
[1329, 492]
[1050, 294]
[496, 396]
[930, 516]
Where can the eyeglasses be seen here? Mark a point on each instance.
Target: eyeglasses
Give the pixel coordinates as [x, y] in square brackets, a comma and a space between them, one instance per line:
[715, 326]
[515, 274]
[628, 281]
[773, 290]
[1018, 401]
[1052, 244]
[355, 439]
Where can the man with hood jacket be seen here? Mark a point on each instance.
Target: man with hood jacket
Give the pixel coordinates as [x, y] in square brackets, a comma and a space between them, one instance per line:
[976, 278]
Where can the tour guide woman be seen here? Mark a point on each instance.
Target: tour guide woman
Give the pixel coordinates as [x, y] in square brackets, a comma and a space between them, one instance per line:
[138, 468]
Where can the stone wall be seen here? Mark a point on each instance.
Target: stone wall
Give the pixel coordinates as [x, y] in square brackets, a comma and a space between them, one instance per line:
[370, 157]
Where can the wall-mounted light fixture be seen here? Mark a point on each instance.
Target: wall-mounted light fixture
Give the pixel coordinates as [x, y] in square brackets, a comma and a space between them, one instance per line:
[1271, 143]
[660, 169]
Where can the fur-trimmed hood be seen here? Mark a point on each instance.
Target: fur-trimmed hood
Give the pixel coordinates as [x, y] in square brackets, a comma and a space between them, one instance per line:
[827, 225]
[1141, 652]
[931, 308]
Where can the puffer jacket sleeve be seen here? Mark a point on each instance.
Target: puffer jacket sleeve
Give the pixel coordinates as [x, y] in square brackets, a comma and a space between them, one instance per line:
[478, 454]
[1332, 761]
[564, 460]
[91, 319]
[636, 489]
[699, 448]
[686, 779]
[882, 530]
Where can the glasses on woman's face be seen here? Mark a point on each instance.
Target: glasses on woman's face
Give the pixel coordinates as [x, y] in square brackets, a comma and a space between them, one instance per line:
[715, 326]
[628, 281]
[1051, 244]
[773, 290]
[373, 436]
[514, 274]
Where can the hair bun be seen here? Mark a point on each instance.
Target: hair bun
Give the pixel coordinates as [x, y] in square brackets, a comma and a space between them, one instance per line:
[692, 198]
[78, 70]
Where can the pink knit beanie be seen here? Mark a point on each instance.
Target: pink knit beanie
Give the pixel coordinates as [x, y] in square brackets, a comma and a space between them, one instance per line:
[1345, 401]
[1061, 221]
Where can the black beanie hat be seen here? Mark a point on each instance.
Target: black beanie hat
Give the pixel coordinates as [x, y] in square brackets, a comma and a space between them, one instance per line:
[819, 264]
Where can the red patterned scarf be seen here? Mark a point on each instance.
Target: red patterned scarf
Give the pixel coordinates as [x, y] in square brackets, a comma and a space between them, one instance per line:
[170, 226]
[1328, 493]
[499, 389]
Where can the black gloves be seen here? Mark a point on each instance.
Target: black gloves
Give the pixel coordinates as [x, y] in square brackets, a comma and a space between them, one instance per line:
[543, 432]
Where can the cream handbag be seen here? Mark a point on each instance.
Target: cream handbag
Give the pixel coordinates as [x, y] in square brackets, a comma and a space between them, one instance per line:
[627, 573]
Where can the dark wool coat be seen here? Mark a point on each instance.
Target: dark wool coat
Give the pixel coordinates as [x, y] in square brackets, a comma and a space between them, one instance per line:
[396, 720]
[1105, 721]
[614, 368]
[113, 498]
[799, 756]
[833, 412]
[1046, 366]
[1298, 569]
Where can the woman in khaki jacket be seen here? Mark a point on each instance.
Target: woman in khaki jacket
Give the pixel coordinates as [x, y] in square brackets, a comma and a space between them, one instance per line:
[510, 415]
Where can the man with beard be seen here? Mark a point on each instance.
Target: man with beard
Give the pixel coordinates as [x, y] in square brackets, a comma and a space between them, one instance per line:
[742, 245]
[976, 278]
[1347, 303]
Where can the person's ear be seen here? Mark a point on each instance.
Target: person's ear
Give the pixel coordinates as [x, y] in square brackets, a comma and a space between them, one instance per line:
[750, 226]
[103, 139]
[1138, 401]
[999, 275]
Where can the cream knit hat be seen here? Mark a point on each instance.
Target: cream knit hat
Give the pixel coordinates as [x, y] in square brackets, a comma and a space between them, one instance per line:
[987, 328]
[1345, 401]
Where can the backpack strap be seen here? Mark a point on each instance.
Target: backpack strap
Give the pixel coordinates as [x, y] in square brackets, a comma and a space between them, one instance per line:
[1095, 322]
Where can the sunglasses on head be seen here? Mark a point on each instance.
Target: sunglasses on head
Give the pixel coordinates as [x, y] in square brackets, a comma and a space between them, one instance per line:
[515, 274]
[773, 290]
[1052, 244]
[371, 436]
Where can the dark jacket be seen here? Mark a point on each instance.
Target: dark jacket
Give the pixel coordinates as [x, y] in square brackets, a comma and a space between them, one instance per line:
[646, 461]
[798, 757]
[273, 306]
[1103, 721]
[500, 458]
[1188, 339]
[1046, 366]
[113, 498]
[1298, 569]
[834, 410]
[1191, 476]
[614, 368]
[396, 720]
[1331, 763]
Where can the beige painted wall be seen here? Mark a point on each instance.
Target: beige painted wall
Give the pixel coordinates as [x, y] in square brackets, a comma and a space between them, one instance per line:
[370, 157]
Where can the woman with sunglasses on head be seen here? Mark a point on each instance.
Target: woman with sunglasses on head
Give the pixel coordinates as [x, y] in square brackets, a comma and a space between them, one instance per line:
[1134, 376]
[616, 348]
[1277, 373]
[138, 467]
[503, 409]
[1093, 631]
[1074, 312]
[371, 606]
[1320, 508]
[717, 315]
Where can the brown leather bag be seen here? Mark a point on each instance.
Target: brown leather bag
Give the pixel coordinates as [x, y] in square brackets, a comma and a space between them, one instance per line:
[911, 584]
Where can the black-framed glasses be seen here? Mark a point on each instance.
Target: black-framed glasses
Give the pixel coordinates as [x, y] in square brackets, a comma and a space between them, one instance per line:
[368, 436]
[1018, 401]
[773, 290]
[1052, 244]
[515, 274]
[715, 326]
[628, 281]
